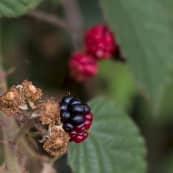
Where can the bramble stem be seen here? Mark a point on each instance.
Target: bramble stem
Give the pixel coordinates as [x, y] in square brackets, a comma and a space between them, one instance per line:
[48, 18]
[8, 132]
[74, 21]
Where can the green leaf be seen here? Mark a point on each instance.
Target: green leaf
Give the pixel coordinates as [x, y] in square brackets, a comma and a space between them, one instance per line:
[114, 144]
[12, 33]
[94, 15]
[118, 82]
[56, 2]
[166, 108]
[14, 8]
[144, 31]
[166, 165]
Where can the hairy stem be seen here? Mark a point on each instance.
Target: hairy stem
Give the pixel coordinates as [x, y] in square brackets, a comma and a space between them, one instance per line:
[74, 21]
[8, 129]
[3, 84]
[48, 18]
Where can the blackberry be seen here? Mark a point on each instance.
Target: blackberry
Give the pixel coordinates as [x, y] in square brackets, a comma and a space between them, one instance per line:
[88, 120]
[77, 108]
[65, 116]
[68, 127]
[89, 116]
[73, 133]
[86, 108]
[77, 119]
[67, 99]
[87, 124]
[82, 66]
[80, 128]
[63, 107]
[100, 42]
[75, 101]
[79, 137]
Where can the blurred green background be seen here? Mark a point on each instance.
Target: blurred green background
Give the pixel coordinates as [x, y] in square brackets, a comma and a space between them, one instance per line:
[39, 52]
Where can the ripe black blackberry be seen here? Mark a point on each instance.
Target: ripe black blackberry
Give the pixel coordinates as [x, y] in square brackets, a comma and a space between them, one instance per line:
[76, 118]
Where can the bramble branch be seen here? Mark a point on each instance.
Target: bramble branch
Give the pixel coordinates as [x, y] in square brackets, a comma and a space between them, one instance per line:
[48, 18]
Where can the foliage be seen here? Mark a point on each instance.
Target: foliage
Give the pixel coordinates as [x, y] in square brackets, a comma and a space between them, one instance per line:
[138, 93]
[13, 8]
[119, 82]
[111, 147]
[144, 31]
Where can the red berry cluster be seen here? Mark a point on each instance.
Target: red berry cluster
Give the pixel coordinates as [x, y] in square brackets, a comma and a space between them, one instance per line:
[99, 43]
[82, 66]
[76, 118]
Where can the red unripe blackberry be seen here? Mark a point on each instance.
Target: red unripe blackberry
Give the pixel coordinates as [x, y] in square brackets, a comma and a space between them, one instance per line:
[80, 128]
[80, 137]
[86, 108]
[73, 133]
[87, 124]
[82, 66]
[100, 42]
[88, 118]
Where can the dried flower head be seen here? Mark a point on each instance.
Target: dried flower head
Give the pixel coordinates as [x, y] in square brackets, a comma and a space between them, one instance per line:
[11, 101]
[31, 92]
[57, 142]
[49, 112]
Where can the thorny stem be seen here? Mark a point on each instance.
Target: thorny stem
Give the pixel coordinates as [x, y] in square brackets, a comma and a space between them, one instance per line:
[74, 25]
[74, 21]
[10, 130]
[53, 160]
[32, 153]
[48, 18]
[11, 162]
[40, 129]
[3, 84]
[23, 131]
[3, 75]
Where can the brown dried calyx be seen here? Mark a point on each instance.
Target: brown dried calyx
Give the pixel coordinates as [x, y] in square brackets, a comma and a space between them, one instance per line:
[17, 98]
[49, 112]
[30, 91]
[25, 102]
[10, 101]
[57, 142]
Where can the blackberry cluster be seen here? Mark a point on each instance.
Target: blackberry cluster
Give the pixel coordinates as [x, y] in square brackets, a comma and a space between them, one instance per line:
[100, 42]
[82, 66]
[76, 118]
